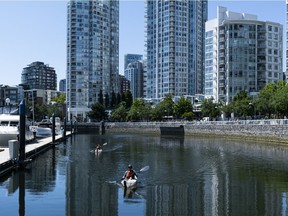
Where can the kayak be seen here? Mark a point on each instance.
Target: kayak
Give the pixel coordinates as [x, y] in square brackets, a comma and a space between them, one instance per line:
[129, 183]
[98, 151]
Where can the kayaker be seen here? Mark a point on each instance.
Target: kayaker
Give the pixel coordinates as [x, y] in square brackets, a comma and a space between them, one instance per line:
[98, 147]
[130, 173]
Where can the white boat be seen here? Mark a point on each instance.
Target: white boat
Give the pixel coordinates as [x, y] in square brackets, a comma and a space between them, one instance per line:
[129, 183]
[41, 132]
[44, 128]
[9, 129]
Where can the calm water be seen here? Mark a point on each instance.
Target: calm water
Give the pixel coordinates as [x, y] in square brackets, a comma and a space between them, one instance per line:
[187, 176]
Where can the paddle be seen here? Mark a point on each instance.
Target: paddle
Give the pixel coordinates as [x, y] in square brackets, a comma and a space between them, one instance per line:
[104, 144]
[144, 169]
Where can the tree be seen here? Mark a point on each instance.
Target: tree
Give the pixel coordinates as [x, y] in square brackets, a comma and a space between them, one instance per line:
[120, 113]
[128, 99]
[242, 104]
[97, 112]
[61, 99]
[210, 109]
[280, 100]
[119, 99]
[100, 97]
[60, 105]
[146, 112]
[183, 107]
[113, 100]
[164, 108]
[227, 109]
[264, 100]
[137, 110]
[107, 100]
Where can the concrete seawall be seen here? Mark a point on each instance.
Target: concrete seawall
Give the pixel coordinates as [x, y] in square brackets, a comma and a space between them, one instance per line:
[267, 130]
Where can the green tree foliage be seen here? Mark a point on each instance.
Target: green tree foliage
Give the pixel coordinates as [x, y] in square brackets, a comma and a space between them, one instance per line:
[183, 108]
[61, 99]
[242, 104]
[164, 108]
[227, 109]
[40, 112]
[146, 112]
[280, 100]
[139, 110]
[59, 105]
[97, 112]
[158, 112]
[264, 104]
[128, 99]
[107, 101]
[210, 109]
[119, 99]
[120, 113]
[113, 100]
[100, 97]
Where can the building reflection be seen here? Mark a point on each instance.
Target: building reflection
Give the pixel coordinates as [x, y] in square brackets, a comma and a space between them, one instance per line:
[41, 173]
[218, 188]
[87, 192]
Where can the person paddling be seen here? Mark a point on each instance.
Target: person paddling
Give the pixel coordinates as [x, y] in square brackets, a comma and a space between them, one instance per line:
[98, 148]
[130, 173]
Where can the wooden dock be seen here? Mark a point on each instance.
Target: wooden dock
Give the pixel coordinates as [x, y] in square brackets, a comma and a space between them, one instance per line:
[33, 149]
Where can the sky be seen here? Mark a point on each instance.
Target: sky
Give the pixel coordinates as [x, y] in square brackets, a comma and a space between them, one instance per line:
[36, 30]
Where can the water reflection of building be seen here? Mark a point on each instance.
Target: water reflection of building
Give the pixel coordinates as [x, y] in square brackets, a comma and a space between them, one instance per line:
[43, 177]
[87, 193]
[217, 187]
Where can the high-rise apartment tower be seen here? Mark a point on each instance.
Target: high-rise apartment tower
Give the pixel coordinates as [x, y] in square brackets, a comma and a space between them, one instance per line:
[38, 75]
[175, 47]
[242, 54]
[92, 53]
[286, 37]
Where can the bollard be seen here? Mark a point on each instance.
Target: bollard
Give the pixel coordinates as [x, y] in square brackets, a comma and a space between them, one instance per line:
[71, 124]
[13, 149]
[53, 128]
[22, 129]
[64, 131]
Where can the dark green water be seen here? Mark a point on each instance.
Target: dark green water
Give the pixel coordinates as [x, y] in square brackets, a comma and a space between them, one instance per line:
[187, 176]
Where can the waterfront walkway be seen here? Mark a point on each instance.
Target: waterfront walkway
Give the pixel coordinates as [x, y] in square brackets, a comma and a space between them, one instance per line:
[32, 149]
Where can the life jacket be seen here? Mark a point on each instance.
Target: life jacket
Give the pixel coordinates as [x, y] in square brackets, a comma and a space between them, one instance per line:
[129, 174]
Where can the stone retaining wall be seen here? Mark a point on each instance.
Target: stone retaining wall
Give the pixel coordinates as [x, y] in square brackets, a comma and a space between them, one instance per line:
[265, 132]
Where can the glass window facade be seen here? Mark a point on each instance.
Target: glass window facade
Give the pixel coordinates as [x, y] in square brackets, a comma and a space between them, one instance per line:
[175, 47]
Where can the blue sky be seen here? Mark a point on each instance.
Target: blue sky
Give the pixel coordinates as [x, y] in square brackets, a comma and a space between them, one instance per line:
[36, 31]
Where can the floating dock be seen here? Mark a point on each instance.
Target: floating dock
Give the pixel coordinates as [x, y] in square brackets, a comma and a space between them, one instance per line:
[33, 149]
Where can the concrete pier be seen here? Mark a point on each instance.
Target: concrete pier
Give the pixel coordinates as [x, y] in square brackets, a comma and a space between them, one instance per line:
[33, 149]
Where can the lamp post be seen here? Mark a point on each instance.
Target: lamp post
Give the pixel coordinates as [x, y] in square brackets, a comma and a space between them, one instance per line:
[7, 103]
[253, 111]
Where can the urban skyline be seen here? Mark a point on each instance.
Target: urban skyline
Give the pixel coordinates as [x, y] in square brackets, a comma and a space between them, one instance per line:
[17, 52]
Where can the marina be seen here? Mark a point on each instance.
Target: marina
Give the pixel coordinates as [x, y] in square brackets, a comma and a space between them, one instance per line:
[186, 176]
[8, 158]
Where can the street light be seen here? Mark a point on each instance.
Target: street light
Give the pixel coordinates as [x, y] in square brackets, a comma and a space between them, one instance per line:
[7, 102]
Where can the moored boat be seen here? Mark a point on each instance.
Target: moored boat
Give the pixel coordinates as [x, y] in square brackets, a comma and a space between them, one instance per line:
[9, 129]
[41, 132]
